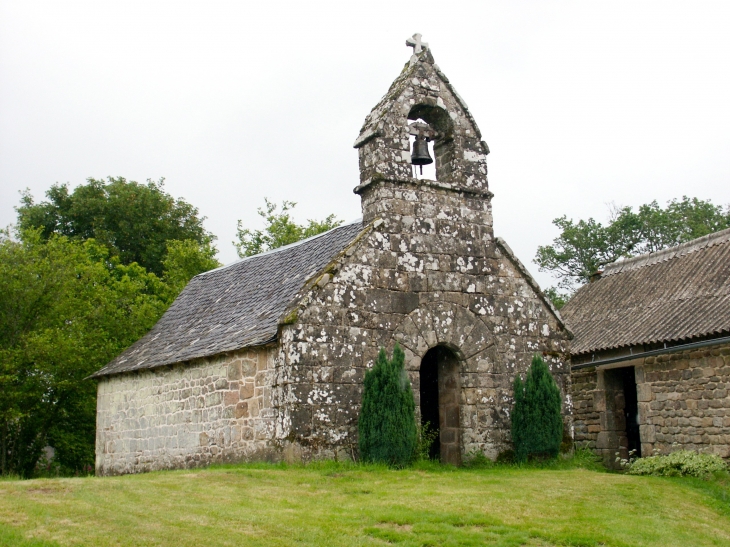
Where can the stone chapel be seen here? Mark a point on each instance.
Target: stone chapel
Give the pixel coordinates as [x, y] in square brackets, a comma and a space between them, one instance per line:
[264, 359]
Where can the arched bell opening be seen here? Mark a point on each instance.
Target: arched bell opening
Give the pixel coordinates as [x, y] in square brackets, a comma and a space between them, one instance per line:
[439, 402]
[434, 128]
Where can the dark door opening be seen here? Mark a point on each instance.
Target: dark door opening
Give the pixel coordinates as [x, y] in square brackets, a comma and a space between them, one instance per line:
[439, 402]
[620, 419]
[430, 400]
[631, 410]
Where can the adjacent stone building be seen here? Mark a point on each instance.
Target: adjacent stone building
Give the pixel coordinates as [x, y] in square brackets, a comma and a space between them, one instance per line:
[265, 358]
[651, 353]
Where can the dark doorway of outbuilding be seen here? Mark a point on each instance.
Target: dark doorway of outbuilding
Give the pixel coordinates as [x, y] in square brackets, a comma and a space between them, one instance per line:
[439, 395]
[631, 410]
[620, 421]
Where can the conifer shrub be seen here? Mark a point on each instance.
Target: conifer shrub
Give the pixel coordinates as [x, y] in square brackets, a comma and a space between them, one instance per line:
[387, 426]
[537, 425]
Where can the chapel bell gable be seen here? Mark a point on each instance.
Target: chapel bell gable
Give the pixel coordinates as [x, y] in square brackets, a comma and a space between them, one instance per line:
[422, 118]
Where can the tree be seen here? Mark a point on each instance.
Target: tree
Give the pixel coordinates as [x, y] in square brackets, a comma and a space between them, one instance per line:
[537, 424]
[134, 221]
[184, 260]
[70, 302]
[280, 229]
[66, 309]
[387, 426]
[585, 247]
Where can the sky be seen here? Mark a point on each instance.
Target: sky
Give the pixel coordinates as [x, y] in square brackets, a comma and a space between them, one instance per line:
[583, 104]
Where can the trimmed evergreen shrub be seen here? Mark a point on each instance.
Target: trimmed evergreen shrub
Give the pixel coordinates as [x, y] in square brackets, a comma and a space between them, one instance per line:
[537, 425]
[387, 426]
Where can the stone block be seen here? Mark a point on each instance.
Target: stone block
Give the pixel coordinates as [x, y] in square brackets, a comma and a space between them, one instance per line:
[231, 398]
[644, 392]
[234, 371]
[599, 401]
[607, 440]
[647, 433]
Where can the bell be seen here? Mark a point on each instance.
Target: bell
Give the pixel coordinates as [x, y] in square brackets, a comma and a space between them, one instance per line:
[420, 155]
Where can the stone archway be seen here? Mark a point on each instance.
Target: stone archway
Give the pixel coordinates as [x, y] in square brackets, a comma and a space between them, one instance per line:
[457, 340]
[439, 390]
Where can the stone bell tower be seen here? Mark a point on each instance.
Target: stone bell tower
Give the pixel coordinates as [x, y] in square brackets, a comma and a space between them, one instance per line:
[421, 102]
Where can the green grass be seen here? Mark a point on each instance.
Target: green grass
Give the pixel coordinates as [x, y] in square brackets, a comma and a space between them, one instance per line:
[560, 503]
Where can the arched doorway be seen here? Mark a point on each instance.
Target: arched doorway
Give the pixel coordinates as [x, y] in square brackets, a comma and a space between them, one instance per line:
[439, 402]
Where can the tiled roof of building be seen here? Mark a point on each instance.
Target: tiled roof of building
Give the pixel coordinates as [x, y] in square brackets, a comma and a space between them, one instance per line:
[235, 306]
[676, 294]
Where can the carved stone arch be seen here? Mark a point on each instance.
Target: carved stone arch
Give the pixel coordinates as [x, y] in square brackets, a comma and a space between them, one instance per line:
[445, 324]
[443, 343]
[442, 125]
[435, 116]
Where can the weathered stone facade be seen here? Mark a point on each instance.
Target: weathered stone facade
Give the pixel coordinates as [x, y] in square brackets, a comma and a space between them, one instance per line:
[185, 415]
[424, 270]
[429, 274]
[682, 403]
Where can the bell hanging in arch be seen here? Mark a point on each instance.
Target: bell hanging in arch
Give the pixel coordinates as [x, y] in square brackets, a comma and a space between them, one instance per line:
[420, 155]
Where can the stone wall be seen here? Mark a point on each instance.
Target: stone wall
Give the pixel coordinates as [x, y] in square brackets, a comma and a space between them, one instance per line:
[211, 410]
[428, 272]
[683, 404]
[586, 417]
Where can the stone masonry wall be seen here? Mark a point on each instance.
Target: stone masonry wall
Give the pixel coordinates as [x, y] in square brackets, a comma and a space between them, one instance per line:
[211, 410]
[586, 417]
[428, 273]
[683, 403]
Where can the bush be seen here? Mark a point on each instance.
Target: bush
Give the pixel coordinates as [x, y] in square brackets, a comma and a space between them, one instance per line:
[387, 426]
[683, 463]
[425, 437]
[537, 425]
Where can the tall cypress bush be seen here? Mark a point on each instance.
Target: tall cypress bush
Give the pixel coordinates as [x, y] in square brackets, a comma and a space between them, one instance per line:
[387, 426]
[537, 425]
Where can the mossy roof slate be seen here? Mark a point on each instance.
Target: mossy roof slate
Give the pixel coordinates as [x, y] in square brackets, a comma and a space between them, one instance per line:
[235, 306]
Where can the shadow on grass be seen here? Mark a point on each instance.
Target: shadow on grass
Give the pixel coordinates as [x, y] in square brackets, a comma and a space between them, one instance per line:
[579, 459]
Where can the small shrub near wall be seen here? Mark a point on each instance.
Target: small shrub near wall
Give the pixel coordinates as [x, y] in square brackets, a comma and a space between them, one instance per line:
[683, 463]
[537, 424]
[387, 426]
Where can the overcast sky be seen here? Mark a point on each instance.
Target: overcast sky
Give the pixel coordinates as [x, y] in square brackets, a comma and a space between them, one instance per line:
[582, 103]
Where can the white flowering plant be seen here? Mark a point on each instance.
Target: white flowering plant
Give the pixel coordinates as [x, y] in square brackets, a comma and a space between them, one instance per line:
[682, 463]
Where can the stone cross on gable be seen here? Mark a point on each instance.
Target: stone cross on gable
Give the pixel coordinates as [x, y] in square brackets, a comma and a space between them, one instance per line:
[416, 44]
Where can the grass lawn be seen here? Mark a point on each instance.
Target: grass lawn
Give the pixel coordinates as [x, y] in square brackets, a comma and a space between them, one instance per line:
[338, 504]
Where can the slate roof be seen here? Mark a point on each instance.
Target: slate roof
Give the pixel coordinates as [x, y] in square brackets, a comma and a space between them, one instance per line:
[235, 306]
[676, 294]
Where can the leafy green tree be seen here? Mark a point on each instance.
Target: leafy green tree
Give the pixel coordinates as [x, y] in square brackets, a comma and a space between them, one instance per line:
[280, 229]
[558, 298]
[387, 426]
[66, 309]
[184, 260]
[585, 247]
[537, 425]
[134, 221]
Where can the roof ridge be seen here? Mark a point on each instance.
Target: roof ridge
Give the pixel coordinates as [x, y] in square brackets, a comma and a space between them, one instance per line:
[278, 249]
[677, 251]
